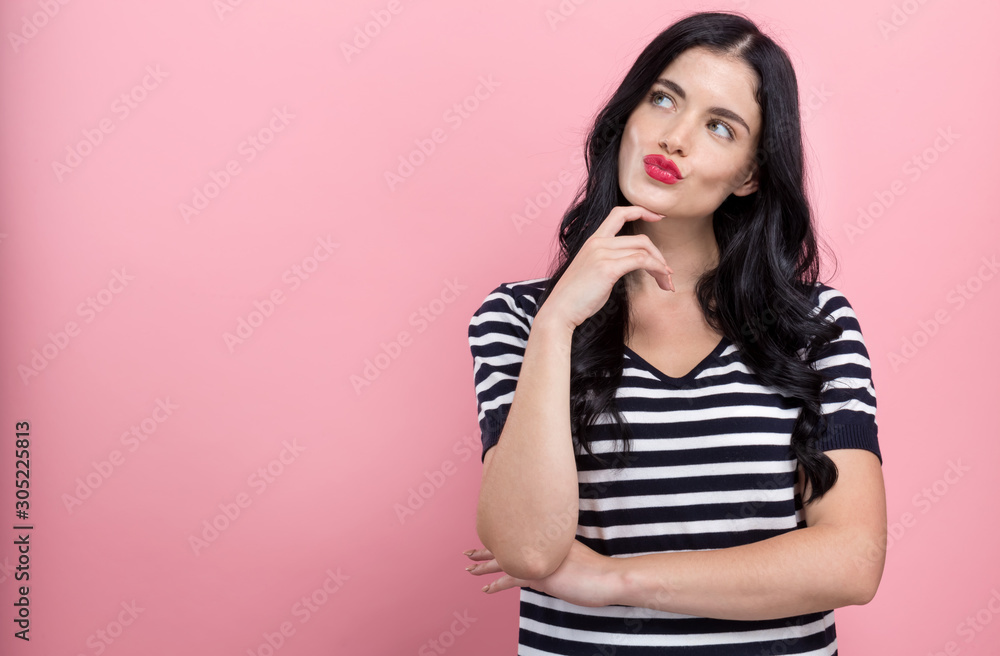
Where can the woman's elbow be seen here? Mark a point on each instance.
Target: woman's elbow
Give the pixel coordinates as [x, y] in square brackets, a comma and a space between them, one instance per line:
[868, 590]
[521, 563]
[522, 566]
[526, 561]
[529, 564]
[866, 577]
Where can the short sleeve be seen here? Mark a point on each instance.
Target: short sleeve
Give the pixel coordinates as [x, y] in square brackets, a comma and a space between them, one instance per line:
[498, 335]
[848, 395]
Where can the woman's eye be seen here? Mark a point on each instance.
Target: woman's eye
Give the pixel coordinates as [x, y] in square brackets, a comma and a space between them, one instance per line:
[729, 133]
[656, 95]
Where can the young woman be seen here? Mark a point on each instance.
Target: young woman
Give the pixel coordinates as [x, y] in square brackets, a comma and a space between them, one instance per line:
[680, 451]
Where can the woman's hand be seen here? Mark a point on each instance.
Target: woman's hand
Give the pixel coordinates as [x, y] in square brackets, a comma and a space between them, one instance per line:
[584, 578]
[605, 257]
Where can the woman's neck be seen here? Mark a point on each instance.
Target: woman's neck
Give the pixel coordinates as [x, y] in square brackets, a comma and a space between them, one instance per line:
[689, 247]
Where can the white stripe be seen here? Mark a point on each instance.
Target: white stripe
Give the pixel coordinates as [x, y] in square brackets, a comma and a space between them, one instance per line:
[841, 359]
[677, 415]
[701, 442]
[500, 317]
[730, 367]
[677, 471]
[504, 359]
[497, 375]
[493, 404]
[636, 372]
[825, 297]
[851, 404]
[704, 389]
[530, 282]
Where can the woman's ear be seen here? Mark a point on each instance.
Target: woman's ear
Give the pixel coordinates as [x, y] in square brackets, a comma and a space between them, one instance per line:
[750, 184]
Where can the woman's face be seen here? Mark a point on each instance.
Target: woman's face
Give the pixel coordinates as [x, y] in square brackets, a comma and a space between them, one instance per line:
[703, 117]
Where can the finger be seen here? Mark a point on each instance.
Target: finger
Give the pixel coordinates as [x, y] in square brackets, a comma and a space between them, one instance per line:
[637, 241]
[505, 582]
[480, 554]
[490, 567]
[619, 215]
[641, 259]
[665, 282]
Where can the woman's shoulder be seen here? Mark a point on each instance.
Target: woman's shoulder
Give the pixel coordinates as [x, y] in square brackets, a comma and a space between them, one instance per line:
[832, 306]
[829, 299]
[521, 296]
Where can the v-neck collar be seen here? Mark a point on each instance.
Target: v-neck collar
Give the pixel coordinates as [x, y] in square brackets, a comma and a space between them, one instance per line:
[689, 376]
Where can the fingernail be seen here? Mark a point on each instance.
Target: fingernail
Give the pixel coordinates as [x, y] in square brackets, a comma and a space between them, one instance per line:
[469, 552]
[485, 588]
[470, 568]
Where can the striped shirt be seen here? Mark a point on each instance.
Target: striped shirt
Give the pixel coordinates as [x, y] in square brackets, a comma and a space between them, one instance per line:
[711, 467]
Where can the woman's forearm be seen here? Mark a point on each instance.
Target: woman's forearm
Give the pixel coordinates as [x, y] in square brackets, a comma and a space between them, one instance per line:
[529, 500]
[805, 570]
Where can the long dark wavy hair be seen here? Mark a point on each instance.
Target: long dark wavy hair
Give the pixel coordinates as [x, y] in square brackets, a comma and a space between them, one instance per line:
[759, 294]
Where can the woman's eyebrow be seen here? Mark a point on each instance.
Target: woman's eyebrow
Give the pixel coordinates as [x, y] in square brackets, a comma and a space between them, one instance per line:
[720, 111]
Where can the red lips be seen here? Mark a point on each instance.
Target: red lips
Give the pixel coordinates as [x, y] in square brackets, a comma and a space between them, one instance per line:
[662, 162]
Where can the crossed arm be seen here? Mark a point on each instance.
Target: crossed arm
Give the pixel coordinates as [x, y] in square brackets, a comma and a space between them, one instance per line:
[837, 560]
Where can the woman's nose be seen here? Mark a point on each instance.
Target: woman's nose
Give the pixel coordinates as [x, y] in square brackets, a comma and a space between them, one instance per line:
[676, 137]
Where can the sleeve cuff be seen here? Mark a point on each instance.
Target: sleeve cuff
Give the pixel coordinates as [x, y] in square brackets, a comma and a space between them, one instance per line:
[852, 436]
[491, 427]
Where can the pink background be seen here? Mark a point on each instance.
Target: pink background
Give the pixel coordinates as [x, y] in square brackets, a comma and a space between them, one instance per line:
[437, 242]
